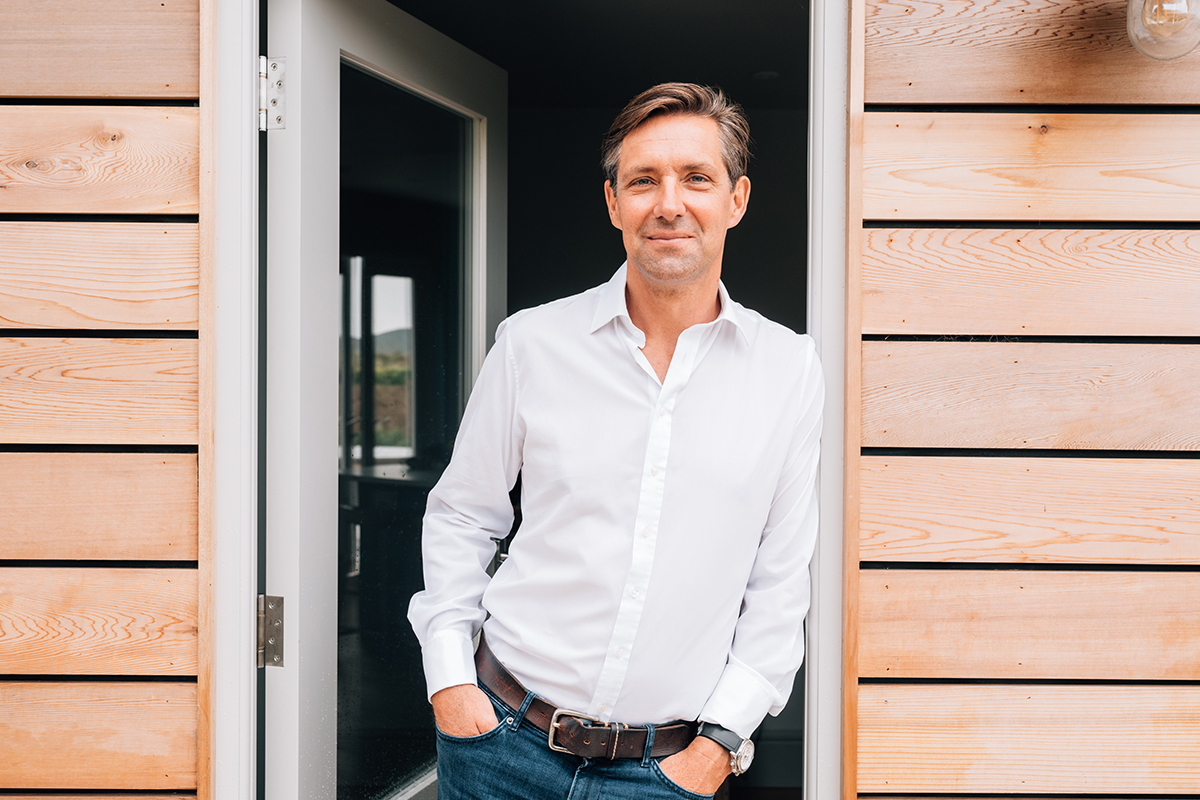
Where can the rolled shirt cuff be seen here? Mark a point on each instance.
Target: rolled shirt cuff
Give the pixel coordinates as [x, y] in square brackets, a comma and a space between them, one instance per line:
[741, 699]
[449, 660]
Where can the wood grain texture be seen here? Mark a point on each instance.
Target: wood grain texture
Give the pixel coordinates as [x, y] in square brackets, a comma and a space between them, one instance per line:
[1031, 282]
[1026, 395]
[99, 160]
[89, 621]
[1031, 166]
[98, 506]
[98, 275]
[987, 624]
[946, 739]
[80, 48]
[82, 735]
[1030, 510]
[98, 391]
[1015, 51]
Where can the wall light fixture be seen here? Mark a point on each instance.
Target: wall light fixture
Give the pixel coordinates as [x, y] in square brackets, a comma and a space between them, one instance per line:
[1163, 29]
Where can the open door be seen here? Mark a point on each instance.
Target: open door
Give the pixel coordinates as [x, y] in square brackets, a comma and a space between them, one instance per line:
[385, 278]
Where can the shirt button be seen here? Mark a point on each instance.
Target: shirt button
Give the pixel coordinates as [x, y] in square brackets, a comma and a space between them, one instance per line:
[645, 532]
[620, 653]
[634, 591]
[662, 411]
[602, 709]
[654, 470]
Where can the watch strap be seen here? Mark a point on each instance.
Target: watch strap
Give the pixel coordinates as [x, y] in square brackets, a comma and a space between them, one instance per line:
[722, 736]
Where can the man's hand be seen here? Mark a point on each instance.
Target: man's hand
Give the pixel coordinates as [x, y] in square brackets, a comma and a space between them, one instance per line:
[701, 768]
[463, 710]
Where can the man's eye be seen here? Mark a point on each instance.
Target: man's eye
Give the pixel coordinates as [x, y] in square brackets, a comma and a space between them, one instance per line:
[698, 178]
[641, 182]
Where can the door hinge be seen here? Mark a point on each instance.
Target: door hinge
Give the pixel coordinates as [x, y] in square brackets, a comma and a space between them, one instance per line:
[272, 93]
[270, 631]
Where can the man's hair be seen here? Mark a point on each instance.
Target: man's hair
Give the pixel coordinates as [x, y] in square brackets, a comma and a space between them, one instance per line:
[668, 99]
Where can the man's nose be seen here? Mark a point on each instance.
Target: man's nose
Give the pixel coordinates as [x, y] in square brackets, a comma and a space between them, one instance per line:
[670, 200]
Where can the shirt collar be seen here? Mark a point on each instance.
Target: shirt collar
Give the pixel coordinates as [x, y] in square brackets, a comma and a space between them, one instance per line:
[611, 305]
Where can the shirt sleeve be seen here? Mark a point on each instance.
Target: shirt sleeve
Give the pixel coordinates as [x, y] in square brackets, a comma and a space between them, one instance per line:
[768, 643]
[467, 510]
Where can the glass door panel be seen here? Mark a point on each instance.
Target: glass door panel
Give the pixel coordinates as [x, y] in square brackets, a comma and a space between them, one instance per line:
[404, 220]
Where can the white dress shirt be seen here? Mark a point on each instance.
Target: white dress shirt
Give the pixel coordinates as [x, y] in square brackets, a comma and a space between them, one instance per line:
[661, 568]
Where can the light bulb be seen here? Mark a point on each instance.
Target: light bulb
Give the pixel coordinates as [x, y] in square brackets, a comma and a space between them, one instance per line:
[1163, 29]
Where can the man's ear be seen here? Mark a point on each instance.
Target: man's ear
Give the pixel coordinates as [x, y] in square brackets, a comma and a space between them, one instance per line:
[610, 199]
[741, 196]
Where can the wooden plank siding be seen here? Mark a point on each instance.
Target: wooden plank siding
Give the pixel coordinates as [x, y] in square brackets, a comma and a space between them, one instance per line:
[1030, 395]
[81, 735]
[921, 165]
[1015, 51]
[1030, 510]
[98, 506]
[85, 621]
[1022, 489]
[99, 159]
[1030, 282]
[83, 49]
[1005, 738]
[1023, 625]
[105, 387]
[98, 391]
[99, 275]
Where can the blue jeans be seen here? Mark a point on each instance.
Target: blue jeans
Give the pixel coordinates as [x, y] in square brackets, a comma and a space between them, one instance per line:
[513, 762]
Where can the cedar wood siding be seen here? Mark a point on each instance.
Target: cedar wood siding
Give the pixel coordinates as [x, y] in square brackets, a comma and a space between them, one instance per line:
[104, 331]
[1023, 496]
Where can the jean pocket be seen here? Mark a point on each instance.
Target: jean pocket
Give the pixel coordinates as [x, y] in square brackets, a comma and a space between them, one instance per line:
[673, 786]
[479, 737]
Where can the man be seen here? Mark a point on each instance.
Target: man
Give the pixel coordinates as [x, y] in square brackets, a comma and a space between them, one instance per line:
[667, 439]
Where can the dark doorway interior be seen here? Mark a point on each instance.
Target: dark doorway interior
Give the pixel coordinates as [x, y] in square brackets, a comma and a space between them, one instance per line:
[571, 67]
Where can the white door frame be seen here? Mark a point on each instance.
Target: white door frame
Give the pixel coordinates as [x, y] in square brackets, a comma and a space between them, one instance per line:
[827, 163]
[230, 34]
[235, 263]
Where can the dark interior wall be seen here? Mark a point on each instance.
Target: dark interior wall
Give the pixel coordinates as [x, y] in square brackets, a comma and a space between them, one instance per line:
[561, 241]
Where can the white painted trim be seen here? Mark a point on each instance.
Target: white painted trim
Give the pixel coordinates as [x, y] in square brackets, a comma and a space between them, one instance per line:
[828, 84]
[235, 400]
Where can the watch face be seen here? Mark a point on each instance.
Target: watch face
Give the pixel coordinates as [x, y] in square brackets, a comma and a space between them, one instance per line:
[743, 757]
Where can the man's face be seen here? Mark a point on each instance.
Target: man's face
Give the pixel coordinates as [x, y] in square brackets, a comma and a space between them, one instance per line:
[673, 201]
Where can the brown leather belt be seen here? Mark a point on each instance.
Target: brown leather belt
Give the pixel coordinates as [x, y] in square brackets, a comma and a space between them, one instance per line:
[575, 733]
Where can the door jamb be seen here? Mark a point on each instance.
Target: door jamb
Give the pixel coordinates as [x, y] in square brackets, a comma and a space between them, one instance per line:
[827, 169]
[234, 259]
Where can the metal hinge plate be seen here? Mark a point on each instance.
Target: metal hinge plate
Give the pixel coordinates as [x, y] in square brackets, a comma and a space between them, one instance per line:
[270, 631]
[272, 93]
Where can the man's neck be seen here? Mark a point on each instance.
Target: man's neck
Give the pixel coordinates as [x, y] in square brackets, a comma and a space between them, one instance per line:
[664, 312]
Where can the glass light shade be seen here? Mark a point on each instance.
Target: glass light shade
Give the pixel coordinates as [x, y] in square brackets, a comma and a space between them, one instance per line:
[1163, 29]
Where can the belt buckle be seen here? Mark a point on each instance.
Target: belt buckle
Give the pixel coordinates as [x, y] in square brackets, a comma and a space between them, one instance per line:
[562, 712]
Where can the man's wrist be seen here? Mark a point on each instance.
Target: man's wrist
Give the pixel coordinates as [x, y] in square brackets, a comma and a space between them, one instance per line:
[741, 751]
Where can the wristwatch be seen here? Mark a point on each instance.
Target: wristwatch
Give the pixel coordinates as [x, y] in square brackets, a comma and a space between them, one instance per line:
[741, 751]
